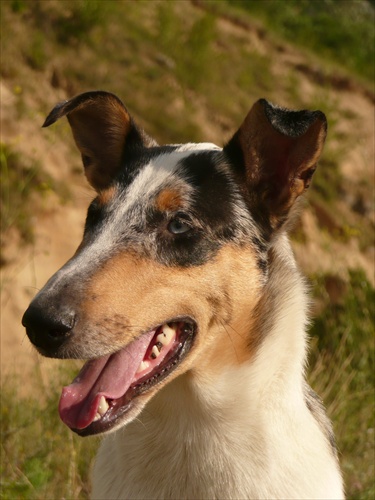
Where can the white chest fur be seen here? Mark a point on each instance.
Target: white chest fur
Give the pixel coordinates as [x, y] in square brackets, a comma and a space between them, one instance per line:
[222, 445]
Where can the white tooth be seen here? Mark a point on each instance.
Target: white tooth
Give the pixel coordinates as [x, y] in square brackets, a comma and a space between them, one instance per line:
[97, 417]
[155, 351]
[103, 406]
[143, 366]
[166, 336]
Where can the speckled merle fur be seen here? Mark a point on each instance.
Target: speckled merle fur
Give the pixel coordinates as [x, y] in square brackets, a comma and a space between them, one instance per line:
[214, 210]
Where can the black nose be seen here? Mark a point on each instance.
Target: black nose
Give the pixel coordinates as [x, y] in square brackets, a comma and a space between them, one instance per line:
[48, 329]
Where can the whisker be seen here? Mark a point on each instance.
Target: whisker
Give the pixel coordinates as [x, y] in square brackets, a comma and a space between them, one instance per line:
[231, 340]
[236, 332]
[26, 287]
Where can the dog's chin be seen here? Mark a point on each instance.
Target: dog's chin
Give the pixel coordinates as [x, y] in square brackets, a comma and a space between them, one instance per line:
[111, 391]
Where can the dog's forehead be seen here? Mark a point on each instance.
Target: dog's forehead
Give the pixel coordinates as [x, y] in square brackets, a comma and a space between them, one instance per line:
[164, 168]
[165, 165]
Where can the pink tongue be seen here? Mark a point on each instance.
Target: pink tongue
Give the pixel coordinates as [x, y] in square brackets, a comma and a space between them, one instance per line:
[109, 376]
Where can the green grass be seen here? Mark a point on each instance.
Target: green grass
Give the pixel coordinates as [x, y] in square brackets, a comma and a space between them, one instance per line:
[328, 178]
[20, 178]
[35, 52]
[24, 188]
[144, 45]
[40, 457]
[342, 372]
[341, 31]
[81, 18]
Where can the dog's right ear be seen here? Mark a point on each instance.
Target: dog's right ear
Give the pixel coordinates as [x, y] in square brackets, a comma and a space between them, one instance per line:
[274, 155]
[103, 131]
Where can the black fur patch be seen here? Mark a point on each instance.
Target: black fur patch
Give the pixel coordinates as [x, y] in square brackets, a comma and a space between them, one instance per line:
[213, 192]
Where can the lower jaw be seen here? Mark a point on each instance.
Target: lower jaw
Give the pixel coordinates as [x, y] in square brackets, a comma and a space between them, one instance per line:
[126, 408]
[125, 413]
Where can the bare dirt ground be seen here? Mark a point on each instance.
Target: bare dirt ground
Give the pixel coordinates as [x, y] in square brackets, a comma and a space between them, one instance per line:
[58, 231]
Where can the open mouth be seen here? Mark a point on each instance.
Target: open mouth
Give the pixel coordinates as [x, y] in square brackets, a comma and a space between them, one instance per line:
[105, 388]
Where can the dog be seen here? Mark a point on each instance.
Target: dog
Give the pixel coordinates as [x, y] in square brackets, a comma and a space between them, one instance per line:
[185, 300]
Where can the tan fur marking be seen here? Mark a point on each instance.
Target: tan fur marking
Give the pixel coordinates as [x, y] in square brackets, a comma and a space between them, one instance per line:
[168, 199]
[139, 293]
[106, 195]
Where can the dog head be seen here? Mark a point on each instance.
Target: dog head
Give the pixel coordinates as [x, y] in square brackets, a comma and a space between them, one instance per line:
[174, 252]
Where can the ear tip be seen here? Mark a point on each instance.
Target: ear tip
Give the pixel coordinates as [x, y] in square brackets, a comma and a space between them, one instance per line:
[268, 106]
[65, 107]
[54, 114]
[48, 121]
[319, 115]
[290, 122]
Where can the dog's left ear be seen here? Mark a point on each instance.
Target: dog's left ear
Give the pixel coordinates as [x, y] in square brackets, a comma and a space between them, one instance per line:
[104, 133]
[274, 155]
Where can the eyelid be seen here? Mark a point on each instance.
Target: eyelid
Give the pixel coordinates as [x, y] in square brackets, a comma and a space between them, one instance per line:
[182, 216]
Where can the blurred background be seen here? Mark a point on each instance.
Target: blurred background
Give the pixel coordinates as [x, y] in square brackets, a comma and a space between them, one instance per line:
[187, 71]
